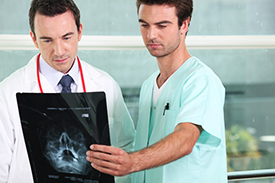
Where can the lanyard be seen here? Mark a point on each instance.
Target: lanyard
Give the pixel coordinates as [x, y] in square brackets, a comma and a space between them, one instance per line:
[80, 69]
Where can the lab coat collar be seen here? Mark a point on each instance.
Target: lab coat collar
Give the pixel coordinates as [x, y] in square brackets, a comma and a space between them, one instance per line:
[30, 77]
[30, 74]
[90, 75]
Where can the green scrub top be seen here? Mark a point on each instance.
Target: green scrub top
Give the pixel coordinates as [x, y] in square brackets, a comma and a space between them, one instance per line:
[195, 94]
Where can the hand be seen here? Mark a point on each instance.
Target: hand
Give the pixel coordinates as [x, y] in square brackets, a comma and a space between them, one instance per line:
[110, 160]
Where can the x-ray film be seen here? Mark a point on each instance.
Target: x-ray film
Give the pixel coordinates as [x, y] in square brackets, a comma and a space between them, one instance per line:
[58, 130]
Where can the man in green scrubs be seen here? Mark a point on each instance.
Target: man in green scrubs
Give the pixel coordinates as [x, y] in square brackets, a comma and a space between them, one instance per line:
[180, 132]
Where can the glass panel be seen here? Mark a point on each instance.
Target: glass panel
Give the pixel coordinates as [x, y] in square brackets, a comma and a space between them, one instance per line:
[249, 78]
[250, 127]
[265, 180]
[234, 17]
[105, 17]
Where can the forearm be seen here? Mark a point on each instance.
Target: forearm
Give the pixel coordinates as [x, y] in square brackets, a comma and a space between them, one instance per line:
[176, 145]
[115, 161]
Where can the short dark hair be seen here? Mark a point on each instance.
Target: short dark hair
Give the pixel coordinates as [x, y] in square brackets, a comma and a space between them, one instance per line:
[51, 8]
[184, 8]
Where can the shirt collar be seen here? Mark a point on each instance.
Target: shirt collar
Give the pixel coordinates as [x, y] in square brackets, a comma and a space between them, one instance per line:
[54, 76]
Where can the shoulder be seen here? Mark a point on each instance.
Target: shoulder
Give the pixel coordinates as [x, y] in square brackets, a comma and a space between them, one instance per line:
[99, 77]
[94, 72]
[20, 75]
[21, 80]
[197, 72]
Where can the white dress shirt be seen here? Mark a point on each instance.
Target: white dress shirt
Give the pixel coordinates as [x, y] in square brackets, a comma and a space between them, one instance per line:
[54, 76]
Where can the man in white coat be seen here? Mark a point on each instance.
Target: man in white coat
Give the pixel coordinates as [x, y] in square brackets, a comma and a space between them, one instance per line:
[55, 31]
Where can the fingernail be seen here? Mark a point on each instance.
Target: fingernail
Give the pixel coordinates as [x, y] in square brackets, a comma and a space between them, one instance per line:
[92, 146]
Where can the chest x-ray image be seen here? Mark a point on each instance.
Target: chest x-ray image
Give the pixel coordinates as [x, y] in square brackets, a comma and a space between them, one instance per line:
[58, 130]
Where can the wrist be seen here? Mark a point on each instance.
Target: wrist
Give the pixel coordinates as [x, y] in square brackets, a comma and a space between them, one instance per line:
[135, 162]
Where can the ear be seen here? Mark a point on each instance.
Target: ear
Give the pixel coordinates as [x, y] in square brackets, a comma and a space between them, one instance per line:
[34, 39]
[80, 32]
[185, 26]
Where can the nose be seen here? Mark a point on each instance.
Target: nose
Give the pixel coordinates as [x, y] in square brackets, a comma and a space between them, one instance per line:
[58, 48]
[151, 33]
[65, 140]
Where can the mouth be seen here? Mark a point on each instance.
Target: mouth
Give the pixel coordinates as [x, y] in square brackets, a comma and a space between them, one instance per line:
[60, 60]
[154, 45]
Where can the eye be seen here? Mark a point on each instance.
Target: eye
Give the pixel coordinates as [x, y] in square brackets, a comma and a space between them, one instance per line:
[47, 40]
[162, 26]
[67, 38]
[144, 25]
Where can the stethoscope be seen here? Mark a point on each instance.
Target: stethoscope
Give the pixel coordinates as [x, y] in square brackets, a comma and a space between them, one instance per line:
[38, 76]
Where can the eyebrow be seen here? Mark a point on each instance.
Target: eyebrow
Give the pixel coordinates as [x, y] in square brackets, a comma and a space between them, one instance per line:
[65, 35]
[141, 21]
[157, 23]
[68, 34]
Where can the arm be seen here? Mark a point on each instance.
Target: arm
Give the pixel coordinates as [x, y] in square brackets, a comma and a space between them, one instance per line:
[124, 126]
[116, 162]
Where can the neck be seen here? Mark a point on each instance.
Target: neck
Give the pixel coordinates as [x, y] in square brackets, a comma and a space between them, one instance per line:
[169, 64]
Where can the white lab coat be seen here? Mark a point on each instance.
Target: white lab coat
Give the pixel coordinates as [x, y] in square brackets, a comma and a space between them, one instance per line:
[14, 163]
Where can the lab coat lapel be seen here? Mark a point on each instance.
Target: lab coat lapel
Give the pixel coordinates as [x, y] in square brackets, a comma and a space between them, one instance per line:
[89, 74]
[31, 80]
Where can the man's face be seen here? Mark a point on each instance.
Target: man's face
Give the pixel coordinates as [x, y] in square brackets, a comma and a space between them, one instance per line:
[57, 39]
[159, 28]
